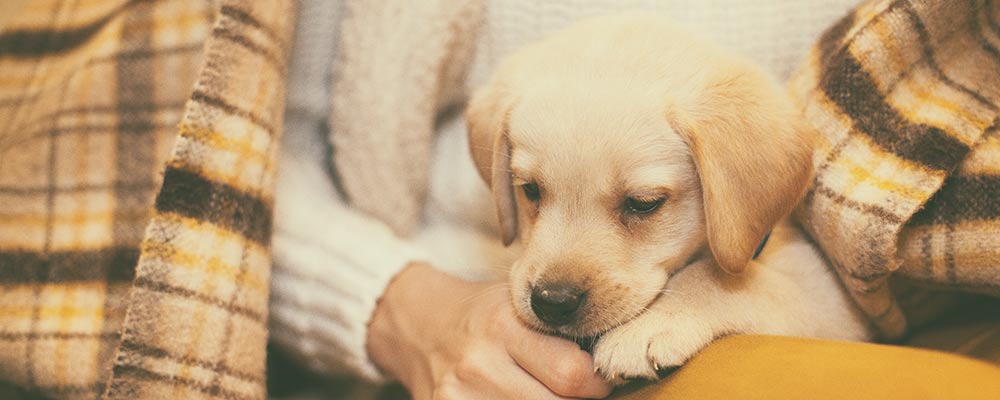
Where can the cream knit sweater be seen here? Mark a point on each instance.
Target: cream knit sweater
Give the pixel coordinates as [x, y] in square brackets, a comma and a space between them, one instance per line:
[399, 145]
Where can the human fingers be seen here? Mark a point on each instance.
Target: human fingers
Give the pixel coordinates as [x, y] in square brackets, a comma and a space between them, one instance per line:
[492, 375]
[557, 363]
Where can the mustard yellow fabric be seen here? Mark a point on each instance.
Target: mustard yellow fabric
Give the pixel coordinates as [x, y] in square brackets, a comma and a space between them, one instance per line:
[771, 367]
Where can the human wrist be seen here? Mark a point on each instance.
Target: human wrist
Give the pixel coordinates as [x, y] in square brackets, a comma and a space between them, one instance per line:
[402, 326]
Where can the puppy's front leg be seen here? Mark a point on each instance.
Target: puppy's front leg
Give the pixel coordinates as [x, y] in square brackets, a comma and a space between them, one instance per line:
[674, 327]
[795, 294]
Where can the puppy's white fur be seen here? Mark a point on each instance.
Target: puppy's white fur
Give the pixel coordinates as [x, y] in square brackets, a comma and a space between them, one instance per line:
[630, 106]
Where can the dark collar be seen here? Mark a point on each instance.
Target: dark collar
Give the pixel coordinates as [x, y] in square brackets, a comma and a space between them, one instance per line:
[762, 244]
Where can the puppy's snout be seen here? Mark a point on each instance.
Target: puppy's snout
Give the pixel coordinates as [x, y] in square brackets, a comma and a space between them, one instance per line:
[557, 304]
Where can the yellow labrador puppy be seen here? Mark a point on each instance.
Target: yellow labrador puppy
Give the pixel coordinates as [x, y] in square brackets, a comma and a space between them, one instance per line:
[642, 169]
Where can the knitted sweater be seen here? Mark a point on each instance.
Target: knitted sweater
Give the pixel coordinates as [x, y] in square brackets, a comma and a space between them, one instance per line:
[398, 73]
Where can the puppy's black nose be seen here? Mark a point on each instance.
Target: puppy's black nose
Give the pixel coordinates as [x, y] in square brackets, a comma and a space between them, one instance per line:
[556, 305]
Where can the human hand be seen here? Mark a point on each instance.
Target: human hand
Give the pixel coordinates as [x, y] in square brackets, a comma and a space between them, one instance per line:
[446, 338]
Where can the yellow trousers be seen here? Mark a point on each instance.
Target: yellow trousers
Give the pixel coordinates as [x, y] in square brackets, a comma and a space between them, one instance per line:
[769, 367]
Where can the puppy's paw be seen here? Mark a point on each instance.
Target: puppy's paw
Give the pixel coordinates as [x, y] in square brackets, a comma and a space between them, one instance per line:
[649, 346]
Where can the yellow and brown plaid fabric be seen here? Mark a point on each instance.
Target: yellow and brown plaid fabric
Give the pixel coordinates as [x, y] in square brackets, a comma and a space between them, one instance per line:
[905, 95]
[137, 154]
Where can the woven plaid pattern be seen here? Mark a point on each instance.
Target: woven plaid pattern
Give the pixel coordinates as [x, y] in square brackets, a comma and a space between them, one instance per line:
[905, 95]
[134, 210]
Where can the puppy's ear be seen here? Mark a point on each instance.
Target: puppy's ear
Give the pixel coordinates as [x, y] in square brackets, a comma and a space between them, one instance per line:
[753, 156]
[487, 117]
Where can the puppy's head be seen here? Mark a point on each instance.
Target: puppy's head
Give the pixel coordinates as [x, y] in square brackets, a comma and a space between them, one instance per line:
[618, 158]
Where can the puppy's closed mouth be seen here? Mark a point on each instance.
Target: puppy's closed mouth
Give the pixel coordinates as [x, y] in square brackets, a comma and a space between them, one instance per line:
[587, 342]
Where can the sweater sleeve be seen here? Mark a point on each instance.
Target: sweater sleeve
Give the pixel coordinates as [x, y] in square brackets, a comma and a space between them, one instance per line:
[331, 265]
[398, 64]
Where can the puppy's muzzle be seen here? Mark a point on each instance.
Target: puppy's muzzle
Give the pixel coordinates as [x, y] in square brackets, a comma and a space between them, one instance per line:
[557, 305]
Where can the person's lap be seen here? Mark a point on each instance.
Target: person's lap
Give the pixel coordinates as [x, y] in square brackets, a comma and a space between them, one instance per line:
[771, 367]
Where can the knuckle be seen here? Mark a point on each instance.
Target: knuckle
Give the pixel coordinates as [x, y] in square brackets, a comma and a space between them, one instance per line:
[500, 322]
[443, 393]
[569, 375]
[447, 389]
[469, 368]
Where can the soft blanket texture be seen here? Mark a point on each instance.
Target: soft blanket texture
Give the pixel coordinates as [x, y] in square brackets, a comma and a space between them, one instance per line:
[905, 95]
[128, 269]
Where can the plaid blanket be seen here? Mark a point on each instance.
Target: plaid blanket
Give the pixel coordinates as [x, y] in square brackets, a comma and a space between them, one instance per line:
[905, 95]
[137, 153]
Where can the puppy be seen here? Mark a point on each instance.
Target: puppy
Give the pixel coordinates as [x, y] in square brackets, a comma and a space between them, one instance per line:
[642, 169]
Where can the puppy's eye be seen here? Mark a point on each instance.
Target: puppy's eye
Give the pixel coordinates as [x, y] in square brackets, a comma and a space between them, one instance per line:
[635, 205]
[531, 191]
